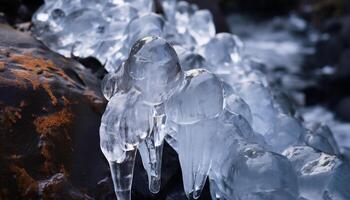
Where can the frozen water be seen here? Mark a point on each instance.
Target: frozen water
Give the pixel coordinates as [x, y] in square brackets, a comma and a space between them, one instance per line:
[195, 116]
[337, 187]
[151, 150]
[260, 173]
[154, 69]
[300, 155]
[339, 130]
[122, 174]
[235, 104]
[115, 82]
[136, 92]
[194, 149]
[190, 60]
[316, 171]
[131, 119]
[151, 155]
[173, 78]
[321, 138]
[142, 6]
[222, 52]
[256, 174]
[147, 25]
[98, 28]
[182, 15]
[192, 104]
[201, 27]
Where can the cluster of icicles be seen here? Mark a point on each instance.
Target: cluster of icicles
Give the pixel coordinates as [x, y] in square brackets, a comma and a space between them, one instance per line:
[172, 78]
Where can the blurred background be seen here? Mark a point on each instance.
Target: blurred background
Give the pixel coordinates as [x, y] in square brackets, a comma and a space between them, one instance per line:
[49, 143]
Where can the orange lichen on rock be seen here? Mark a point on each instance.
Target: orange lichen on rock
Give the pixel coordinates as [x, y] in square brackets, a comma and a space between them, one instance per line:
[65, 101]
[27, 75]
[48, 90]
[46, 124]
[26, 183]
[47, 127]
[39, 65]
[34, 69]
[2, 66]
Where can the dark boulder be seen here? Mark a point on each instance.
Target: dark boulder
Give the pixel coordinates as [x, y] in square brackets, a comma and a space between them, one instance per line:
[343, 109]
[260, 8]
[50, 109]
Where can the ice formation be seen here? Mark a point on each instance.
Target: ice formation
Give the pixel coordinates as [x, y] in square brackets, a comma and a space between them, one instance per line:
[172, 78]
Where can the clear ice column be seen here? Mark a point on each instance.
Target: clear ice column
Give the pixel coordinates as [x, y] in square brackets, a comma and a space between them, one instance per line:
[122, 175]
[151, 151]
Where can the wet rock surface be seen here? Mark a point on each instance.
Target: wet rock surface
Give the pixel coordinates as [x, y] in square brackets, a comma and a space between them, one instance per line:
[50, 108]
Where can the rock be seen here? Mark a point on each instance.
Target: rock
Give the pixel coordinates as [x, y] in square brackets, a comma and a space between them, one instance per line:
[260, 8]
[2, 18]
[332, 51]
[345, 32]
[343, 109]
[344, 64]
[317, 12]
[94, 65]
[50, 109]
[327, 52]
[18, 11]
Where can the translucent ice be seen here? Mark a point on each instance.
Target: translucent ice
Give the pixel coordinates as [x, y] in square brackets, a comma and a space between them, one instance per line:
[143, 6]
[182, 15]
[190, 60]
[235, 104]
[121, 161]
[151, 155]
[149, 24]
[192, 104]
[314, 170]
[151, 150]
[135, 112]
[222, 51]
[90, 27]
[194, 149]
[253, 173]
[201, 26]
[285, 132]
[122, 174]
[264, 175]
[337, 187]
[195, 116]
[115, 82]
[133, 120]
[154, 69]
[321, 138]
